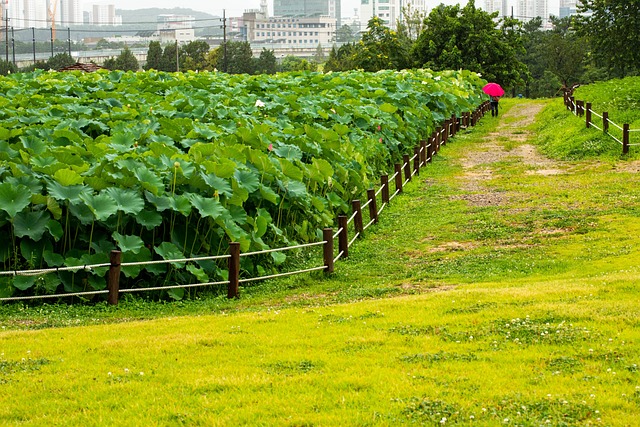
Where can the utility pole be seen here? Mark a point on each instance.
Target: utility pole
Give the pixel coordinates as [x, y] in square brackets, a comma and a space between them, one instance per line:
[177, 56]
[224, 37]
[5, 9]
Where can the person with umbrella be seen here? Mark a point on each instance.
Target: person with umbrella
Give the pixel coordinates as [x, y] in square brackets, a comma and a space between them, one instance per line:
[495, 91]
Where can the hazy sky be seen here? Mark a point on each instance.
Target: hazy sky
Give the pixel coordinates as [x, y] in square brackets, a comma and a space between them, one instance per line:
[236, 7]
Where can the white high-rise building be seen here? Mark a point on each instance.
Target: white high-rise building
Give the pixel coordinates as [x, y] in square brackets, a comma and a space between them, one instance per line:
[36, 13]
[390, 11]
[500, 6]
[529, 9]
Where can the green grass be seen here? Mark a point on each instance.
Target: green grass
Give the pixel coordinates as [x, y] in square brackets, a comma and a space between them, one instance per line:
[451, 311]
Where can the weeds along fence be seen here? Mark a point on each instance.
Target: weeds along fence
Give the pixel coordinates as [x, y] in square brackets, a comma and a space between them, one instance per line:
[583, 109]
[423, 153]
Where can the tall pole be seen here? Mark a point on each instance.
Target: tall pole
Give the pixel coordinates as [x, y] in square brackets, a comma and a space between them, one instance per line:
[33, 32]
[224, 37]
[13, 46]
[177, 56]
[69, 39]
[52, 42]
[5, 9]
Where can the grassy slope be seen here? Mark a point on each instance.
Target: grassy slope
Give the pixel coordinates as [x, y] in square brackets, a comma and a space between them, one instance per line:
[517, 312]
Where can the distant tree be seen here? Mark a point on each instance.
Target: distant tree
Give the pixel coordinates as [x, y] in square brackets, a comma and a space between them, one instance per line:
[266, 63]
[565, 52]
[612, 28]
[110, 64]
[60, 60]
[319, 56]
[7, 67]
[154, 56]
[346, 34]
[193, 56]
[169, 60]
[466, 37]
[341, 59]
[380, 48]
[238, 60]
[212, 59]
[127, 61]
[293, 63]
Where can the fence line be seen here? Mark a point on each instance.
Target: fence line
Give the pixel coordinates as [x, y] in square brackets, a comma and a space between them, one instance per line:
[423, 154]
[582, 108]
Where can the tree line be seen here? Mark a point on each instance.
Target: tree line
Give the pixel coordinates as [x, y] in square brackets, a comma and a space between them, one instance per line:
[597, 44]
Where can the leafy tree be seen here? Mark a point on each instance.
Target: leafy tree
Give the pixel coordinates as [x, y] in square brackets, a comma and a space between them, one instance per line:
[612, 28]
[110, 64]
[169, 60]
[346, 34]
[341, 59]
[194, 55]
[154, 56]
[7, 67]
[565, 52]
[468, 38]
[266, 63]
[319, 56]
[127, 61]
[60, 60]
[238, 60]
[293, 63]
[380, 48]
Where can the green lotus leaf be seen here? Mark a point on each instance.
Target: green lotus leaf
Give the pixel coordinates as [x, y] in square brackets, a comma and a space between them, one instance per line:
[199, 273]
[290, 170]
[71, 193]
[388, 108]
[128, 243]
[31, 224]
[96, 258]
[207, 207]
[222, 167]
[14, 198]
[181, 204]
[81, 212]
[278, 257]
[52, 259]
[68, 177]
[64, 137]
[149, 180]
[127, 201]
[161, 203]
[176, 294]
[168, 251]
[268, 194]
[149, 219]
[143, 255]
[247, 180]
[289, 152]
[24, 282]
[33, 144]
[54, 207]
[102, 206]
[220, 185]
[239, 196]
[295, 189]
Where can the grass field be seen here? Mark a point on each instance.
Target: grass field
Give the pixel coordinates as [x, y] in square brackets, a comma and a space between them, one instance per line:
[500, 289]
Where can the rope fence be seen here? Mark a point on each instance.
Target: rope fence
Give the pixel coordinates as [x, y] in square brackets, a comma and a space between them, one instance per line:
[424, 153]
[582, 108]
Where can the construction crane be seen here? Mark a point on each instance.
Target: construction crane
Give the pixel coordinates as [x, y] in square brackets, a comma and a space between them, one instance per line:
[53, 7]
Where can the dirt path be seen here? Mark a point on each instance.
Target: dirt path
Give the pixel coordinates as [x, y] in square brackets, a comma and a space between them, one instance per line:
[509, 142]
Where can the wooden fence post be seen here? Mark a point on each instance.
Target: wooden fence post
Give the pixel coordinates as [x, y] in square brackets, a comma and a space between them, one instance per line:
[373, 208]
[445, 132]
[573, 107]
[384, 182]
[343, 237]
[438, 136]
[423, 152]
[234, 270]
[416, 160]
[454, 129]
[430, 148]
[327, 249]
[407, 167]
[625, 138]
[398, 170]
[605, 121]
[357, 219]
[113, 283]
[588, 115]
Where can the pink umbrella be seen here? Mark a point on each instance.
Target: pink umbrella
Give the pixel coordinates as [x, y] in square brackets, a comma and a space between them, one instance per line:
[493, 89]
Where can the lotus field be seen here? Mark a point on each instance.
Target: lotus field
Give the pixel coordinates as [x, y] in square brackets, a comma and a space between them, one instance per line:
[166, 166]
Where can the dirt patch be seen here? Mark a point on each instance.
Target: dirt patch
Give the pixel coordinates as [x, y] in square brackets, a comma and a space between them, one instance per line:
[478, 165]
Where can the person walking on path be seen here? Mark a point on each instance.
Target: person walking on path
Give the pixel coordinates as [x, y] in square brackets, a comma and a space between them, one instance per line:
[494, 105]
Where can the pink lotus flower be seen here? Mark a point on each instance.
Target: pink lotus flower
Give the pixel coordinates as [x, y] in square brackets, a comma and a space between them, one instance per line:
[270, 147]
[381, 140]
[379, 128]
